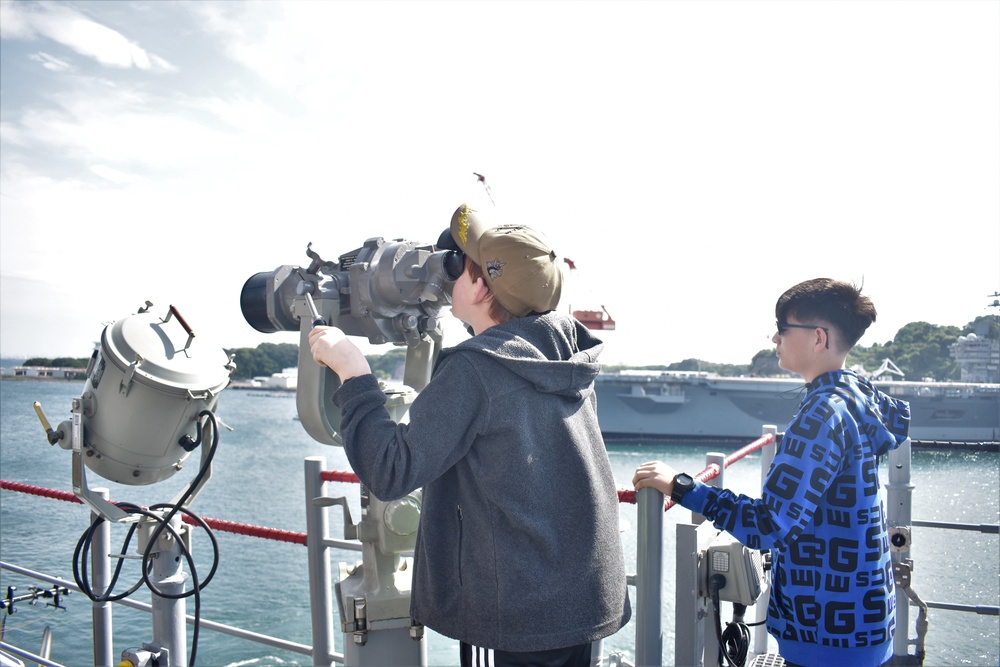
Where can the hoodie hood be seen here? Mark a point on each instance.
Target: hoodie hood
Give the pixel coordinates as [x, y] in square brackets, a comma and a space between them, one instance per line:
[554, 352]
[883, 419]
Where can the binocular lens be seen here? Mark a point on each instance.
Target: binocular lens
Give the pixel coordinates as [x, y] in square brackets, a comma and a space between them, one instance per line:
[454, 264]
[253, 302]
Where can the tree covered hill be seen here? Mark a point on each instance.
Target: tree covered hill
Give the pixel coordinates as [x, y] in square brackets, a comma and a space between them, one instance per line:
[919, 349]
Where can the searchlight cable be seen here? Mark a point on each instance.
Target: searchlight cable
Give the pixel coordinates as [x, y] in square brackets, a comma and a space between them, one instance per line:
[81, 554]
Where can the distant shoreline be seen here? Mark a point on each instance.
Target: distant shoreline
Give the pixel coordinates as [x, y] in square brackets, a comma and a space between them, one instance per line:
[22, 378]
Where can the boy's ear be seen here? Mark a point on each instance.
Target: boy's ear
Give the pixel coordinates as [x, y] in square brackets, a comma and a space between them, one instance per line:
[481, 291]
[822, 338]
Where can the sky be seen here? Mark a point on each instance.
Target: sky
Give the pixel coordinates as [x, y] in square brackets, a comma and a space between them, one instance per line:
[693, 159]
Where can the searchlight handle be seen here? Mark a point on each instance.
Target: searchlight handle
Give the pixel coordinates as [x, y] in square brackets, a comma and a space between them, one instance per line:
[51, 434]
[173, 312]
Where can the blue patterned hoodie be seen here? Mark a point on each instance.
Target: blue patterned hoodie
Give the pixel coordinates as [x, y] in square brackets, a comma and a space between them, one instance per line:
[821, 515]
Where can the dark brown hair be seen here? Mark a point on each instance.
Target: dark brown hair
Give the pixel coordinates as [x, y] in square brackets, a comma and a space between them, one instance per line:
[832, 302]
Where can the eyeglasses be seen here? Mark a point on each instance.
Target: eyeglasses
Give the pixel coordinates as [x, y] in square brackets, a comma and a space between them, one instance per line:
[783, 326]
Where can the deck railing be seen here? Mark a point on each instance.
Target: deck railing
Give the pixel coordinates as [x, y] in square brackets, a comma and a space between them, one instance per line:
[691, 609]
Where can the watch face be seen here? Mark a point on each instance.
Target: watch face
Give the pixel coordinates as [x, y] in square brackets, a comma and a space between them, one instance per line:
[682, 484]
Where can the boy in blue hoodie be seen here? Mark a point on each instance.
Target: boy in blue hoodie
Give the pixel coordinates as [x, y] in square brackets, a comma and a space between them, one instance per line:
[820, 512]
[520, 573]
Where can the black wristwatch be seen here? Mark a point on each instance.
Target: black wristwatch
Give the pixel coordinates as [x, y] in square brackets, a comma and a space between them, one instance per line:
[683, 483]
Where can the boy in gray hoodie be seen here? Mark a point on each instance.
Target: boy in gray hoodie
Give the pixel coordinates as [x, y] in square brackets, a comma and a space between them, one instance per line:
[518, 554]
[820, 512]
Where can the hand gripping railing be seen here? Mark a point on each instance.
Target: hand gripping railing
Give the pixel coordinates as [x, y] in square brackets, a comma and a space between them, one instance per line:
[649, 567]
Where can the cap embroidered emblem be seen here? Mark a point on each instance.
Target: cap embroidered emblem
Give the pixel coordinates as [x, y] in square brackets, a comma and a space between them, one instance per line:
[463, 224]
[495, 268]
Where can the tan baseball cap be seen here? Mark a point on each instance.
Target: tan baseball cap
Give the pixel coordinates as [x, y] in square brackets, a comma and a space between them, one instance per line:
[520, 267]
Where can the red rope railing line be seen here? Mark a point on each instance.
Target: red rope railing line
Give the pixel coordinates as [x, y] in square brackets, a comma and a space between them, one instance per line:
[756, 445]
[339, 476]
[624, 496]
[711, 471]
[39, 491]
[252, 531]
[216, 524]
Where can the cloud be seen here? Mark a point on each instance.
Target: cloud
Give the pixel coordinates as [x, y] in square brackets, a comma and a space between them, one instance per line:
[113, 175]
[682, 170]
[14, 23]
[65, 25]
[51, 62]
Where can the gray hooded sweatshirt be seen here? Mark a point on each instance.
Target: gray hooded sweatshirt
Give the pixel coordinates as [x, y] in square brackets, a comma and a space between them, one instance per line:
[518, 547]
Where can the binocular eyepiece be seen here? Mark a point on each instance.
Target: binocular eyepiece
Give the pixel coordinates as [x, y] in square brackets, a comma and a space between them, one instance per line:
[387, 291]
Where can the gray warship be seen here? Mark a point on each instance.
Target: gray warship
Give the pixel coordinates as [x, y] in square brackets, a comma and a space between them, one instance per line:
[701, 406]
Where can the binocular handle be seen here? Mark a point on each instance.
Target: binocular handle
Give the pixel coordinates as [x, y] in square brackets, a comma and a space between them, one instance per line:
[315, 388]
[317, 384]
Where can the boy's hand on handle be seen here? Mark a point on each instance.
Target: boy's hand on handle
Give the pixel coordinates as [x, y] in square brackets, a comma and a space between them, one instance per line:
[656, 474]
[331, 348]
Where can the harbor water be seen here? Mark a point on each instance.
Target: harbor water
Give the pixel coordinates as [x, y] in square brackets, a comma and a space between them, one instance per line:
[262, 585]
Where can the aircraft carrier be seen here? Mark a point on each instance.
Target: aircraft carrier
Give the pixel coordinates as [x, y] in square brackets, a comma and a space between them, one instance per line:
[690, 406]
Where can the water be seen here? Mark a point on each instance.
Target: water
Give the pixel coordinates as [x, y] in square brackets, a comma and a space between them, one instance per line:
[262, 585]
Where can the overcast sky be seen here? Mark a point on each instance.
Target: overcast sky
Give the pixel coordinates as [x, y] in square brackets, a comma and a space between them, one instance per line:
[694, 159]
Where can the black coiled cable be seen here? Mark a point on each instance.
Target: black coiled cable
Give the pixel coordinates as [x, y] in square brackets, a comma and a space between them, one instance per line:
[82, 552]
[734, 642]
